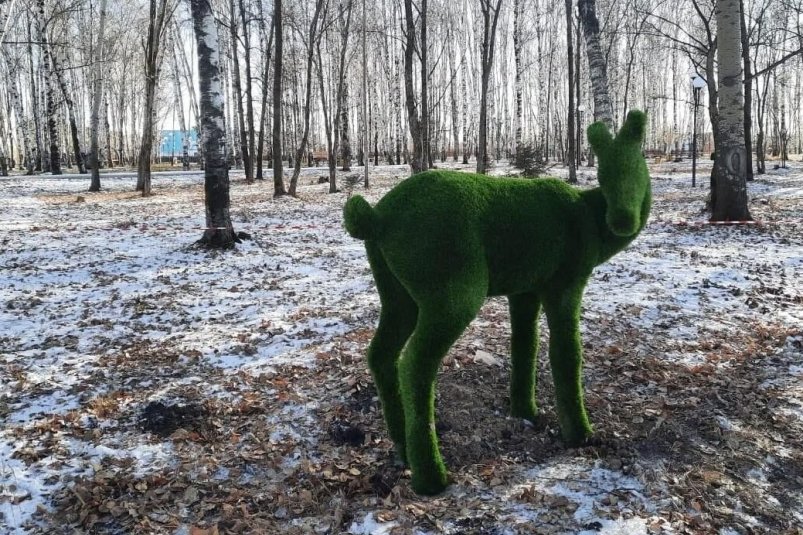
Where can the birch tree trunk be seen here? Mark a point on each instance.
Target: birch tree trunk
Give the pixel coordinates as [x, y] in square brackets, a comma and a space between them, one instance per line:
[345, 30]
[345, 131]
[517, 46]
[5, 119]
[730, 171]
[398, 120]
[186, 72]
[50, 97]
[4, 13]
[264, 108]
[40, 159]
[570, 120]
[413, 120]
[182, 121]
[249, 99]
[108, 131]
[748, 92]
[219, 233]
[97, 97]
[238, 94]
[426, 130]
[24, 126]
[121, 119]
[761, 96]
[597, 67]
[464, 91]
[278, 165]
[66, 93]
[454, 109]
[302, 147]
[157, 22]
[490, 16]
[3, 153]
[365, 97]
[330, 150]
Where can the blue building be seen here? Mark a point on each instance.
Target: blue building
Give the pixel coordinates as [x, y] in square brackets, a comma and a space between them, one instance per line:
[171, 143]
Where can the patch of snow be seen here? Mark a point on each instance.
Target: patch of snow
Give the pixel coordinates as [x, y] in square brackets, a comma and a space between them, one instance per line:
[53, 403]
[785, 378]
[629, 526]
[585, 485]
[726, 424]
[370, 526]
[22, 490]
[299, 416]
[759, 478]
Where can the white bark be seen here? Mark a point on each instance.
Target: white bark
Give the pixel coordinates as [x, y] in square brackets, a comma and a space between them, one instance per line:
[54, 153]
[97, 98]
[185, 136]
[730, 166]
[597, 68]
[24, 124]
[219, 232]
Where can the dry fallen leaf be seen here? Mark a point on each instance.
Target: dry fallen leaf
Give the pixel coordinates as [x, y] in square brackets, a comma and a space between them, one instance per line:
[213, 530]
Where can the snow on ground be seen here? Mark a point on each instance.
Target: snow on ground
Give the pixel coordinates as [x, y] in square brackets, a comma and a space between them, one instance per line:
[151, 386]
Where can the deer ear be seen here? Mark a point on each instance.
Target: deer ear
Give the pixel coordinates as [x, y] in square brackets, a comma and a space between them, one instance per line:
[599, 137]
[634, 128]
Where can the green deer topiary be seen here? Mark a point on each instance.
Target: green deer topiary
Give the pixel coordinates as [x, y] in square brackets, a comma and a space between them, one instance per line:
[441, 242]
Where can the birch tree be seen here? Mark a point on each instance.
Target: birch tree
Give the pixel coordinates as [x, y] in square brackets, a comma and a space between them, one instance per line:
[597, 65]
[159, 16]
[266, 59]
[365, 112]
[729, 196]
[219, 232]
[312, 38]
[332, 126]
[413, 119]
[249, 97]
[278, 165]
[179, 104]
[570, 113]
[23, 120]
[50, 97]
[97, 97]
[490, 18]
[239, 109]
[517, 53]
[345, 129]
[66, 93]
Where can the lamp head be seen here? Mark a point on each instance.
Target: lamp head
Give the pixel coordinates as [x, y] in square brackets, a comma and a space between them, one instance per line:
[697, 81]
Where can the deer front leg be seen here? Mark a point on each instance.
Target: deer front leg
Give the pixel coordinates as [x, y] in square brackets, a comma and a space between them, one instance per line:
[524, 309]
[566, 360]
[440, 322]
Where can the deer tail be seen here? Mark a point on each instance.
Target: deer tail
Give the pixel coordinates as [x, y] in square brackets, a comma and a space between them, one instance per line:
[361, 221]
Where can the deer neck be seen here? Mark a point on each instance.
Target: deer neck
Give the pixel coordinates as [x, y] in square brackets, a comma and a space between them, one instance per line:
[610, 243]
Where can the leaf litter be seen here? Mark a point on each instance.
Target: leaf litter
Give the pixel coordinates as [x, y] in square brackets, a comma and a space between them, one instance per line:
[153, 387]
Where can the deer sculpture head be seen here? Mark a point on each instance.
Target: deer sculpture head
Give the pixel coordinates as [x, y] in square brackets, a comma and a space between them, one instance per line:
[622, 173]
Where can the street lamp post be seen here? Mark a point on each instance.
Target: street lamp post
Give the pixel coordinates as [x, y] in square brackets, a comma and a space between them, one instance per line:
[163, 147]
[697, 84]
[580, 111]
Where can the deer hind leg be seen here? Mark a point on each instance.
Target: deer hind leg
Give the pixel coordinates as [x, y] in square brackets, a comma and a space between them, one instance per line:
[443, 315]
[566, 359]
[396, 323]
[524, 310]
